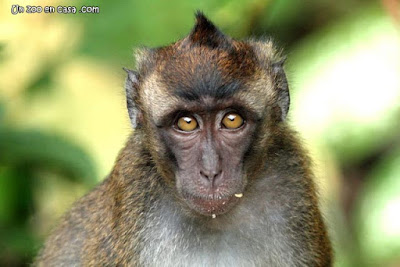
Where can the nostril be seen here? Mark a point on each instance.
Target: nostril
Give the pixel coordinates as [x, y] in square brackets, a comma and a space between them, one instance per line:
[210, 176]
[204, 175]
[217, 175]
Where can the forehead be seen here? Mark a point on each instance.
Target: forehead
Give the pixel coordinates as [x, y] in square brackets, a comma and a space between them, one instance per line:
[192, 72]
[159, 101]
[185, 77]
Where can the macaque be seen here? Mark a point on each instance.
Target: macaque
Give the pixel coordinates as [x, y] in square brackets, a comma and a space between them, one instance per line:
[212, 175]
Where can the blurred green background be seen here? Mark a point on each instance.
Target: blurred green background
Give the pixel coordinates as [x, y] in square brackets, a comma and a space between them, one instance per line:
[63, 117]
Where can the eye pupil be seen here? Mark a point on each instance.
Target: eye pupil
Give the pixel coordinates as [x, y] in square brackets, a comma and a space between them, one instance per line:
[231, 117]
[232, 121]
[187, 123]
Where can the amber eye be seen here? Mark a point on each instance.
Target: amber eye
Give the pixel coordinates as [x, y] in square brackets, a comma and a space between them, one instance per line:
[232, 121]
[187, 123]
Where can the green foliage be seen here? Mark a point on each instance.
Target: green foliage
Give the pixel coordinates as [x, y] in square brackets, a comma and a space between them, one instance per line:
[42, 150]
[2, 111]
[316, 34]
[345, 63]
[22, 154]
[130, 24]
[379, 211]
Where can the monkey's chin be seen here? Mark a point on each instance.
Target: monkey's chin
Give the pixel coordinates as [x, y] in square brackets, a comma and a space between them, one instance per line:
[211, 206]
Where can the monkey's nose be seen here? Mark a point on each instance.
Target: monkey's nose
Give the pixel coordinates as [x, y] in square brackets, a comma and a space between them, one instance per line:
[210, 177]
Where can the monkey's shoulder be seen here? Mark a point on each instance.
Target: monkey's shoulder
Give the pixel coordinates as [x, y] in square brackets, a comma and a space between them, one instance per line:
[77, 229]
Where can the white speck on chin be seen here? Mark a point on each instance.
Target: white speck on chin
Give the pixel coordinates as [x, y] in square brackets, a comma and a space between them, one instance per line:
[239, 195]
[213, 216]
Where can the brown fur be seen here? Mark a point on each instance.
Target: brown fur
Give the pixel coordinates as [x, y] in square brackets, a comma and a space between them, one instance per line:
[107, 226]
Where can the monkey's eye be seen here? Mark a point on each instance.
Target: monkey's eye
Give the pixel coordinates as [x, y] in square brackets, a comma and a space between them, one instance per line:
[187, 123]
[232, 120]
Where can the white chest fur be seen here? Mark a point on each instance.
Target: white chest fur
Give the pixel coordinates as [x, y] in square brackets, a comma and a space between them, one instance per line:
[247, 237]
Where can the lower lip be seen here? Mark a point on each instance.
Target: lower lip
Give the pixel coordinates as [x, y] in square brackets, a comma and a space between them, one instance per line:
[212, 206]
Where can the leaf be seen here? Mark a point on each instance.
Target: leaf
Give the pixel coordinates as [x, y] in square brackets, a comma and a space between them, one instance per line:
[43, 150]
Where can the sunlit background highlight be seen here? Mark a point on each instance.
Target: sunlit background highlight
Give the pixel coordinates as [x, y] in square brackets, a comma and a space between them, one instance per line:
[63, 118]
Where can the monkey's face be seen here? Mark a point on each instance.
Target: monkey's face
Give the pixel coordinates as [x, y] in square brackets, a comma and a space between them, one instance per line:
[203, 125]
[201, 101]
[207, 145]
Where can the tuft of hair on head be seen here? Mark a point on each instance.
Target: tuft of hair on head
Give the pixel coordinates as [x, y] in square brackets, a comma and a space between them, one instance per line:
[205, 33]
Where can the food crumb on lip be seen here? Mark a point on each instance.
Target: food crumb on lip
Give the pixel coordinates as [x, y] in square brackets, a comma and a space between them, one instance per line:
[239, 195]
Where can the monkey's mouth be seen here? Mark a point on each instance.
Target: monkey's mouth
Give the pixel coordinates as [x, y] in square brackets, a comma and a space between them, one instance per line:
[211, 206]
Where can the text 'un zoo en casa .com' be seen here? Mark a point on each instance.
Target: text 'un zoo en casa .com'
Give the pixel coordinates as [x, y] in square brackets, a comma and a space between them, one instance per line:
[30, 9]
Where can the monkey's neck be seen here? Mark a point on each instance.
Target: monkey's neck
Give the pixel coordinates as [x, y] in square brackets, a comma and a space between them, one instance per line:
[255, 232]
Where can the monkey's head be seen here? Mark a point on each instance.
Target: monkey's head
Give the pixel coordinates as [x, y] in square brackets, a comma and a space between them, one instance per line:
[203, 105]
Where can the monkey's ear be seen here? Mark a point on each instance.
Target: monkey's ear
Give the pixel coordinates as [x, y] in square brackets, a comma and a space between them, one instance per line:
[131, 85]
[272, 61]
[282, 87]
